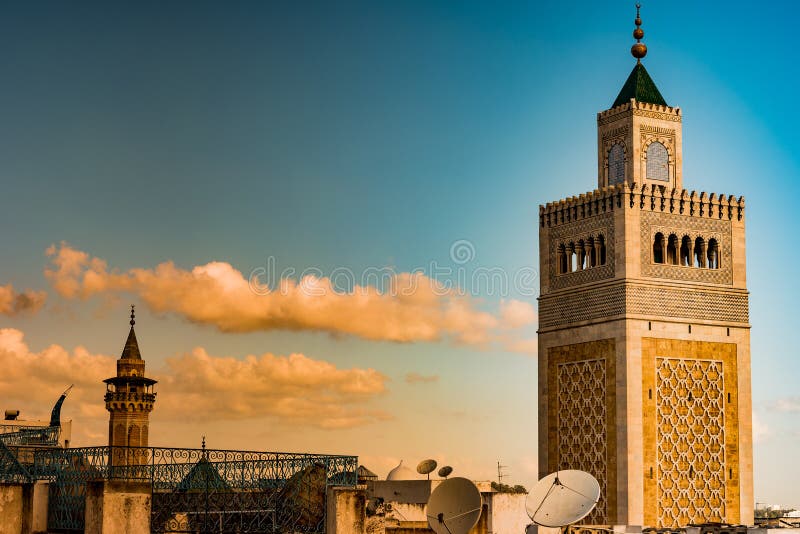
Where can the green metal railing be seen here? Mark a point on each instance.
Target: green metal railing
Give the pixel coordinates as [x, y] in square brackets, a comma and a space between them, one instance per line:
[200, 490]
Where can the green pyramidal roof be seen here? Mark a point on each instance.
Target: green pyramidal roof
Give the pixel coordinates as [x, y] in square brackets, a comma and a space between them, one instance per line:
[640, 86]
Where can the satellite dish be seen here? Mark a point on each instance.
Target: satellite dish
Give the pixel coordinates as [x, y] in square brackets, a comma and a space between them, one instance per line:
[426, 467]
[445, 471]
[562, 498]
[454, 506]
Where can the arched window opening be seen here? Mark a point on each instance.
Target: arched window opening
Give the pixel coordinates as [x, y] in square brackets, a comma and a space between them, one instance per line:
[657, 162]
[713, 254]
[699, 252]
[581, 250]
[686, 251]
[658, 248]
[601, 249]
[616, 164]
[592, 252]
[672, 249]
[573, 258]
[562, 259]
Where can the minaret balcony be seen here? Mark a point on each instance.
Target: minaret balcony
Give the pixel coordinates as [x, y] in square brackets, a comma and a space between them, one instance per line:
[121, 396]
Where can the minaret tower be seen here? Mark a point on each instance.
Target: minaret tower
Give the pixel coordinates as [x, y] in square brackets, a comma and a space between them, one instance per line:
[129, 397]
[644, 334]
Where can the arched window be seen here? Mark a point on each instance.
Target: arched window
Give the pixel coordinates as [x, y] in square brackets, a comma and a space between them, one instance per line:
[573, 258]
[672, 249]
[699, 252]
[562, 259]
[713, 254]
[658, 248]
[601, 249]
[657, 162]
[686, 251]
[616, 164]
[592, 252]
[581, 250]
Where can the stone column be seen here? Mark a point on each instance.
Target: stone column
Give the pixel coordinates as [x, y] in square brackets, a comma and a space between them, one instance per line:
[118, 507]
[37, 516]
[346, 511]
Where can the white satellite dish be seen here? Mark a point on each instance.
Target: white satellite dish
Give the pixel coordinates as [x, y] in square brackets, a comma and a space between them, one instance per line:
[454, 506]
[562, 498]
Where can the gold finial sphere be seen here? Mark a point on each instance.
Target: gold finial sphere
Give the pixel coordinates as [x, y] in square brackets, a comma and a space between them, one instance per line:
[133, 315]
[639, 49]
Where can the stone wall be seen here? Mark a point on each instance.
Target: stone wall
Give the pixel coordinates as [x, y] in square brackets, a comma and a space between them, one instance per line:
[11, 508]
[118, 507]
[346, 510]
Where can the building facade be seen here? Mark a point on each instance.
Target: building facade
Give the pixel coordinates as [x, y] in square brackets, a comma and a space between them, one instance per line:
[644, 335]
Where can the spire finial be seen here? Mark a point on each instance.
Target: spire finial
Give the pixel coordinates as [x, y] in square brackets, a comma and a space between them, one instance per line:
[639, 49]
[204, 445]
[133, 314]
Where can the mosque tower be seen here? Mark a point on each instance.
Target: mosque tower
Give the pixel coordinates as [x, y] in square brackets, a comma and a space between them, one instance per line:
[129, 397]
[644, 334]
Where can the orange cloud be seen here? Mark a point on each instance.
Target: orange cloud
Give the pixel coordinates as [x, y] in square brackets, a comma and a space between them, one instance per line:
[516, 313]
[290, 390]
[13, 303]
[415, 308]
[295, 389]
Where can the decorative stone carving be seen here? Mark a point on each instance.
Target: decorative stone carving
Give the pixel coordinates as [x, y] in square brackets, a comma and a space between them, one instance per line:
[616, 300]
[690, 442]
[707, 228]
[581, 424]
[602, 224]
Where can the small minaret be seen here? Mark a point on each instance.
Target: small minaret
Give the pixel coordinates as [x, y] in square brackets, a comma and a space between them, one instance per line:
[129, 397]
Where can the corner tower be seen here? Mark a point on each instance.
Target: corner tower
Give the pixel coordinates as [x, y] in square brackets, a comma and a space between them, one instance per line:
[129, 397]
[644, 334]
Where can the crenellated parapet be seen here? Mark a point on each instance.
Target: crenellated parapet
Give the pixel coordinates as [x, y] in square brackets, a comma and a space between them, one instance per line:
[647, 197]
[582, 206]
[643, 109]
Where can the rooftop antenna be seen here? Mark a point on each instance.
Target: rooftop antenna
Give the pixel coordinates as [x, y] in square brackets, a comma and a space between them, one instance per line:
[500, 473]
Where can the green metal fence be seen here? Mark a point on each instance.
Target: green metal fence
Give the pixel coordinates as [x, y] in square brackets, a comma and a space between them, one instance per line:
[196, 490]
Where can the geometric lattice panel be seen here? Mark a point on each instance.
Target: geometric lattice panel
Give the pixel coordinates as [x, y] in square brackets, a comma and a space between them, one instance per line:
[690, 441]
[582, 422]
[657, 162]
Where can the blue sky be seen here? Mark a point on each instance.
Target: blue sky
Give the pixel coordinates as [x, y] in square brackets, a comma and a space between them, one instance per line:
[377, 134]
